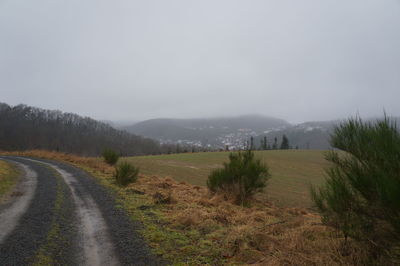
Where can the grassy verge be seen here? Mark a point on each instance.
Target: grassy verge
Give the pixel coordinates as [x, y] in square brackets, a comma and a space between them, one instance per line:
[8, 177]
[186, 225]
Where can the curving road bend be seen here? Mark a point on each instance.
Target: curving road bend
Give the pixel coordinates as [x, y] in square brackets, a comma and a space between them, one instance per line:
[60, 215]
[13, 211]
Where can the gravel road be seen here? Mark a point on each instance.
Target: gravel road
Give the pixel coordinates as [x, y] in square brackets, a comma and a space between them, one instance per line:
[59, 214]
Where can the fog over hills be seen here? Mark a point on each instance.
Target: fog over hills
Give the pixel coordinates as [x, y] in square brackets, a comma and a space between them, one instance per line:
[212, 132]
[308, 135]
[25, 127]
[234, 131]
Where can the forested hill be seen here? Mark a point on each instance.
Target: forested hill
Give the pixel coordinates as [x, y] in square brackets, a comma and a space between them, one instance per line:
[23, 127]
[203, 131]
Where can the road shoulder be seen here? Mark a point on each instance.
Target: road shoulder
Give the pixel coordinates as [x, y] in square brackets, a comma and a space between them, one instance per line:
[9, 178]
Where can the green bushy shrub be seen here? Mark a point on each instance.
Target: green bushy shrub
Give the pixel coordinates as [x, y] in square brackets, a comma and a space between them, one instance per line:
[126, 173]
[361, 196]
[110, 156]
[243, 175]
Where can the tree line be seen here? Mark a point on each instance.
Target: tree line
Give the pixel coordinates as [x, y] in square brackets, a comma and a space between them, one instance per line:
[23, 127]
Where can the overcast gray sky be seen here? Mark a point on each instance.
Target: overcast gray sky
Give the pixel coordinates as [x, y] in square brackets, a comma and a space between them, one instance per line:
[298, 60]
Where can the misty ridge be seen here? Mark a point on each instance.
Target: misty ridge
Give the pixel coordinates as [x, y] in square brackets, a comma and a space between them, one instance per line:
[235, 133]
[23, 127]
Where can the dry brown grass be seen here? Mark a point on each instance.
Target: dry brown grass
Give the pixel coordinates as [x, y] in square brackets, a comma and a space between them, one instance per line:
[261, 234]
[95, 163]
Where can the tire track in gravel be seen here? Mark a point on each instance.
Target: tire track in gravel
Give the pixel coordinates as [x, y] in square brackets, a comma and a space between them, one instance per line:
[129, 246]
[21, 245]
[94, 237]
[101, 233]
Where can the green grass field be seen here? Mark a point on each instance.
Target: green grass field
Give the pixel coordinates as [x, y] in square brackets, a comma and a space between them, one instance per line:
[292, 171]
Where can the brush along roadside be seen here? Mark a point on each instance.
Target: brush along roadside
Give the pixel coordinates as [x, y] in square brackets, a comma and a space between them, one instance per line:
[187, 225]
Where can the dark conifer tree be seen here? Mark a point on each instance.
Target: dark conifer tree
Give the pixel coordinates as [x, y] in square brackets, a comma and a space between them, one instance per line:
[361, 196]
[251, 143]
[275, 145]
[284, 143]
[265, 147]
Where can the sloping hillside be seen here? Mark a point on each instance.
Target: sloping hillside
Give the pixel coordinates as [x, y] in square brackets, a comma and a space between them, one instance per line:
[23, 127]
[203, 131]
[235, 131]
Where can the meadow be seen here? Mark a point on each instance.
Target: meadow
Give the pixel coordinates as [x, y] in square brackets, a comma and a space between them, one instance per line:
[293, 171]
